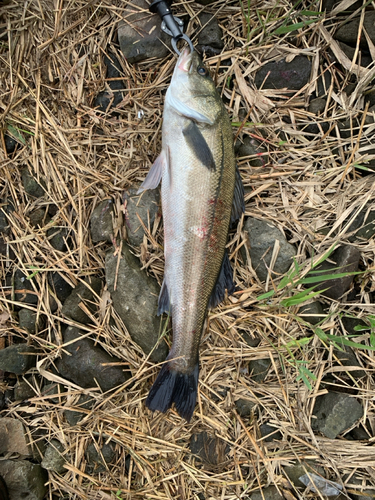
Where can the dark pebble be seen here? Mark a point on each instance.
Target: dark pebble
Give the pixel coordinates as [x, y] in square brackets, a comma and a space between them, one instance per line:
[10, 144]
[348, 33]
[101, 222]
[211, 35]
[23, 391]
[244, 407]
[29, 320]
[348, 358]
[53, 459]
[74, 416]
[269, 433]
[24, 480]
[317, 105]
[312, 313]
[31, 185]
[106, 100]
[60, 286]
[17, 358]
[258, 369]
[251, 147]
[22, 286]
[99, 460]
[363, 224]
[58, 237]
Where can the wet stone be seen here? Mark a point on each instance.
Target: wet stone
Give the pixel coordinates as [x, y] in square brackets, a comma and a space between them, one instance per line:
[31, 185]
[335, 412]
[144, 206]
[244, 407]
[82, 294]
[101, 222]
[210, 37]
[29, 320]
[59, 285]
[53, 459]
[98, 460]
[136, 301]
[141, 37]
[211, 450]
[17, 358]
[22, 285]
[251, 147]
[312, 313]
[261, 240]
[349, 32]
[346, 260]
[294, 472]
[13, 437]
[23, 391]
[74, 416]
[89, 364]
[258, 369]
[281, 74]
[268, 493]
[24, 480]
[111, 97]
[269, 433]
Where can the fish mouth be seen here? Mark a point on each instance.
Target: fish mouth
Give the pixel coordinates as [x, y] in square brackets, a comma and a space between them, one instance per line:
[184, 61]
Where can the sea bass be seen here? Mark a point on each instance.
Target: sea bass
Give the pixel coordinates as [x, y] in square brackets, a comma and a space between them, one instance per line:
[201, 193]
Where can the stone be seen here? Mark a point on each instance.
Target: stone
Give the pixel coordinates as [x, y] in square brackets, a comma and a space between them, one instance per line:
[350, 325]
[60, 286]
[82, 294]
[349, 128]
[323, 84]
[53, 459]
[22, 285]
[335, 412]
[363, 58]
[251, 147]
[51, 389]
[24, 480]
[29, 320]
[312, 313]
[57, 237]
[363, 224]
[269, 433]
[268, 493]
[331, 4]
[317, 106]
[211, 450]
[244, 407]
[367, 490]
[210, 38]
[250, 341]
[5, 209]
[17, 358]
[4, 493]
[281, 74]
[13, 437]
[31, 185]
[23, 391]
[10, 144]
[74, 416]
[111, 97]
[101, 222]
[258, 369]
[136, 301]
[261, 240]
[99, 460]
[349, 32]
[348, 358]
[39, 217]
[294, 472]
[140, 35]
[89, 365]
[346, 260]
[144, 207]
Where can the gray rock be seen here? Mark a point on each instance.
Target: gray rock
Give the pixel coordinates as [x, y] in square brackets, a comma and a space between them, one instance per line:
[363, 224]
[335, 412]
[75, 416]
[24, 480]
[53, 459]
[29, 320]
[99, 460]
[31, 185]
[346, 260]
[251, 147]
[140, 36]
[210, 38]
[17, 358]
[60, 286]
[135, 300]
[57, 237]
[281, 74]
[261, 239]
[23, 391]
[145, 207]
[348, 358]
[82, 294]
[258, 369]
[39, 217]
[294, 472]
[211, 450]
[349, 32]
[312, 313]
[317, 105]
[244, 407]
[268, 493]
[89, 364]
[269, 433]
[22, 285]
[101, 222]
[13, 437]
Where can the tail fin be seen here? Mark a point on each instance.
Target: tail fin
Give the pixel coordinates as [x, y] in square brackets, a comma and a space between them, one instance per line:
[172, 386]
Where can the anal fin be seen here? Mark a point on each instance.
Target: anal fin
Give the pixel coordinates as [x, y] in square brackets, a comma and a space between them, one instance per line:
[224, 282]
[154, 175]
[164, 305]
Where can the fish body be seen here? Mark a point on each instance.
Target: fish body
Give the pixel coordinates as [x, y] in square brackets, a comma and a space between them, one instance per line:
[199, 183]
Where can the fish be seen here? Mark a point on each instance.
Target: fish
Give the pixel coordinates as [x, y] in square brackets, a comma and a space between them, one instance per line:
[201, 193]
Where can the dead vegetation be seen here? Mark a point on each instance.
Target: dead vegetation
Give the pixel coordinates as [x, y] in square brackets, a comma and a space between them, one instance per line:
[51, 69]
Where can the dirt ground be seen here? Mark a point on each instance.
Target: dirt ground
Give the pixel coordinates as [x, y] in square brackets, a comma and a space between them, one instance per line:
[310, 187]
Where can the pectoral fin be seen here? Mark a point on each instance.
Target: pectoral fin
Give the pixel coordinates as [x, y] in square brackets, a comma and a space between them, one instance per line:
[224, 282]
[238, 206]
[198, 145]
[155, 174]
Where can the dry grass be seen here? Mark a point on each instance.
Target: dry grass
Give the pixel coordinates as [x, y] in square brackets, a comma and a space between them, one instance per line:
[51, 69]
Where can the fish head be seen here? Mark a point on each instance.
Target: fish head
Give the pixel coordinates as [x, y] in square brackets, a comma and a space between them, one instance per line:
[192, 92]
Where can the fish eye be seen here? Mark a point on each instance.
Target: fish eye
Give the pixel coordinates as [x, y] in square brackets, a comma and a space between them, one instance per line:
[202, 71]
